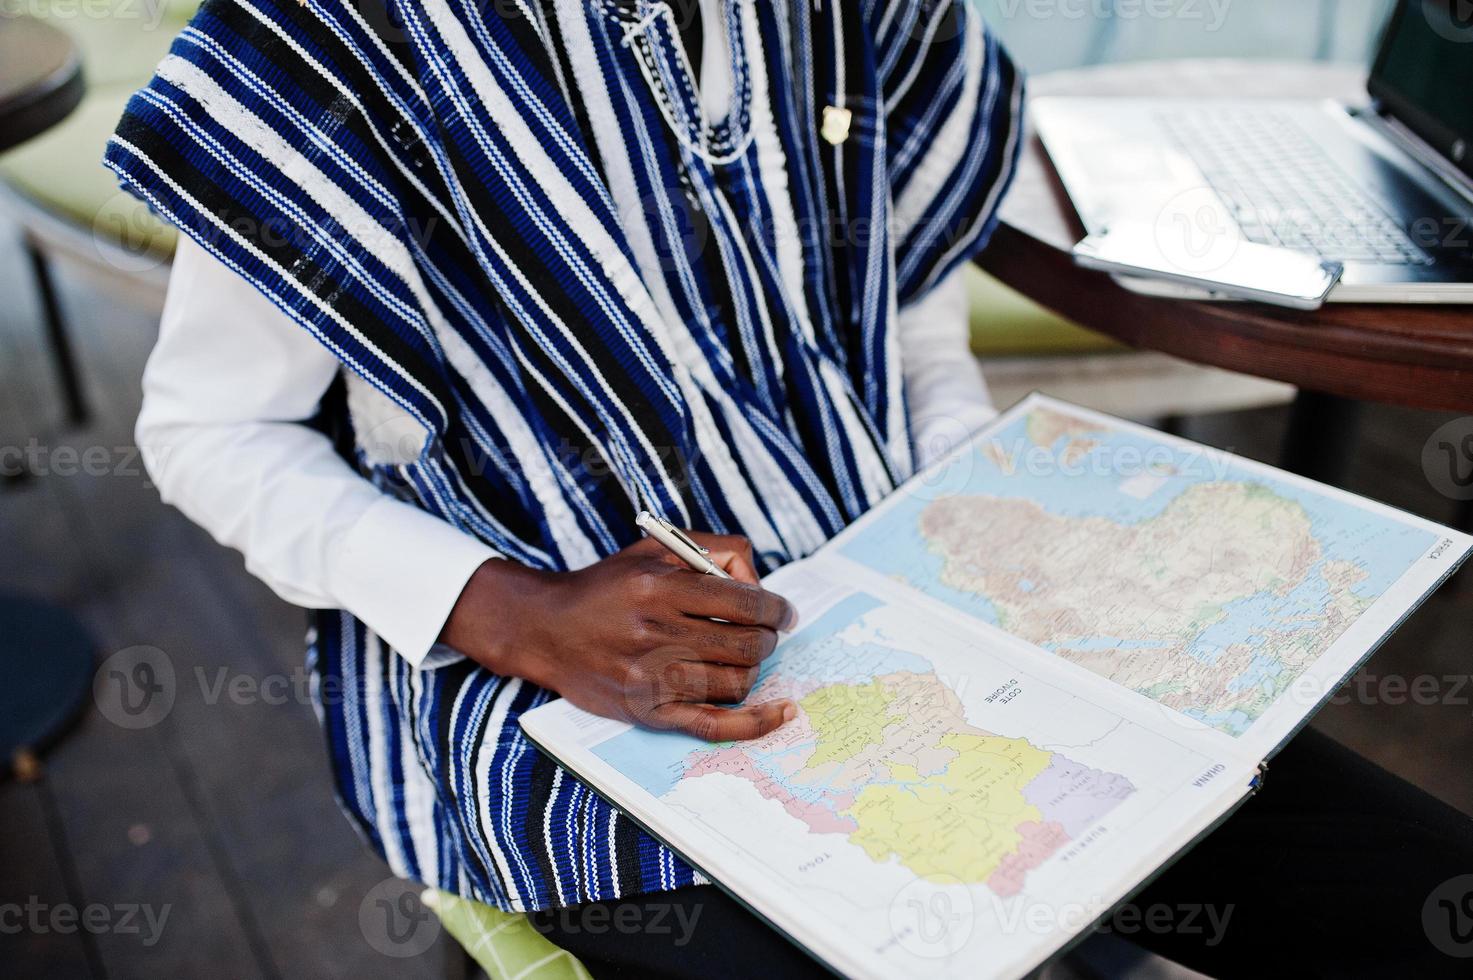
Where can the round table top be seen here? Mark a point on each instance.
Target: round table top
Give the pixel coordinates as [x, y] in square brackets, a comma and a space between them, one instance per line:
[1415, 355]
[40, 78]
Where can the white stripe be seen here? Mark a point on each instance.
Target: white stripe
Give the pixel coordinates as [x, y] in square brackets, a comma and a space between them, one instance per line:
[897, 92]
[795, 521]
[486, 786]
[572, 543]
[349, 657]
[533, 967]
[419, 789]
[613, 840]
[947, 146]
[557, 782]
[466, 785]
[772, 164]
[613, 150]
[1009, 154]
[898, 435]
[384, 815]
[310, 132]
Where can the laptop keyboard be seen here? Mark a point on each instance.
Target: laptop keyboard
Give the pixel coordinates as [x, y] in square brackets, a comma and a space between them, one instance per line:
[1283, 189]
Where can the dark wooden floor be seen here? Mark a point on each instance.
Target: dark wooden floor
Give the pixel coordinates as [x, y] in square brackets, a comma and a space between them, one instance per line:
[223, 813]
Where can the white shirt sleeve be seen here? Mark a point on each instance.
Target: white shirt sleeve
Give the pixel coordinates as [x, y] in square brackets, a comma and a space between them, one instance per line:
[224, 396]
[944, 386]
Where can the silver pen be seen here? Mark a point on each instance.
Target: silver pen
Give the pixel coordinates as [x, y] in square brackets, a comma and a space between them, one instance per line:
[679, 544]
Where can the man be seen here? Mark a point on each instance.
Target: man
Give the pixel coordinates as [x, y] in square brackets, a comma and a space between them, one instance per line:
[465, 287]
[563, 275]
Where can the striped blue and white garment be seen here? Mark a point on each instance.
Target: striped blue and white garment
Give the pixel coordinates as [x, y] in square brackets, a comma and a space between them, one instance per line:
[516, 222]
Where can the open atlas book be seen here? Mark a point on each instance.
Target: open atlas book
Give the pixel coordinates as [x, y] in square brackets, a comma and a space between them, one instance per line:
[1030, 679]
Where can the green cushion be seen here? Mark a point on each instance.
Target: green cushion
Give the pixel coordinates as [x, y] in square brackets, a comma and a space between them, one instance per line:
[1008, 324]
[502, 943]
[62, 168]
[122, 47]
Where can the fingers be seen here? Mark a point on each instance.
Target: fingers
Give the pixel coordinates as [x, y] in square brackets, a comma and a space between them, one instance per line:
[700, 683]
[735, 602]
[680, 679]
[741, 600]
[712, 724]
[721, 643]
[731, 551]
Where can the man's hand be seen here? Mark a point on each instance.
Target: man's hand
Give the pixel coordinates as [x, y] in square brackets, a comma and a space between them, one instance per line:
[633, 636]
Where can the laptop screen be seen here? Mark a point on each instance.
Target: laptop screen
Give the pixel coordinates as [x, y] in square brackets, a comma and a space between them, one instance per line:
[1424, 74]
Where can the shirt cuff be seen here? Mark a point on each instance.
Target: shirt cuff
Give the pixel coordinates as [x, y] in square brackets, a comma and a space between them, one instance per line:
[401, 570]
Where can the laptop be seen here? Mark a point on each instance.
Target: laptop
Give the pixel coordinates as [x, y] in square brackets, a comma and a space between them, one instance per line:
[1385, 188]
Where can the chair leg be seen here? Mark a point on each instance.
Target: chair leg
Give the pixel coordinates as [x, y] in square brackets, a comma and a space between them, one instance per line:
[1321, 438]
[62, 356]
[1174, 425]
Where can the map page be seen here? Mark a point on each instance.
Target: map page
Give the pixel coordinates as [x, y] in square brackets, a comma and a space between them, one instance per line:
[1206, 583]
[1025, 682]
[935, 809]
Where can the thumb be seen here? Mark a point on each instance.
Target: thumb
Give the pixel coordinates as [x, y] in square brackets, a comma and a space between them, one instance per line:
[712, 724]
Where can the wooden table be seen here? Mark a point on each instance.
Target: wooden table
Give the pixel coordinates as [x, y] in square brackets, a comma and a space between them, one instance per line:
[1418, 356]
[40, 78]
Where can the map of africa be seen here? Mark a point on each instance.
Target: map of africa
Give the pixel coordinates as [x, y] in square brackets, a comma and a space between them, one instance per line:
[882, 753]
[1185, 576]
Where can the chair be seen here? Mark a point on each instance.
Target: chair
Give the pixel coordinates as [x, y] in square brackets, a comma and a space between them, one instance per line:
[503, 944]
[68, 207]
